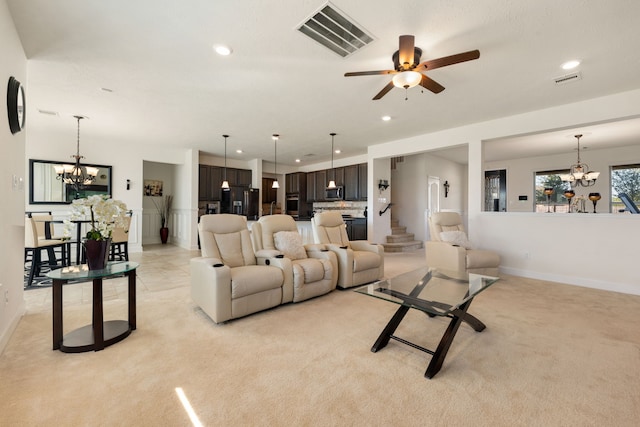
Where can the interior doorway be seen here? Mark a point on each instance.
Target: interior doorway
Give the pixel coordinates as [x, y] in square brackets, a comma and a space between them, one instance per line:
[495, 191]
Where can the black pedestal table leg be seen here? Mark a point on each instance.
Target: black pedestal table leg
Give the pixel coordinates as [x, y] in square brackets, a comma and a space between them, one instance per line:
[98, 322]
[132, 299]
[57, 313]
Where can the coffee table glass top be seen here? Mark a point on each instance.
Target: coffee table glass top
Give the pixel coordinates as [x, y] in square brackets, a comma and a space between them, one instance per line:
[82, 271]
[427, 290]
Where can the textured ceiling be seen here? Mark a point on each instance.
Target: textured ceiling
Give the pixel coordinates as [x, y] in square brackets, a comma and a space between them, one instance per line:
[170, 89]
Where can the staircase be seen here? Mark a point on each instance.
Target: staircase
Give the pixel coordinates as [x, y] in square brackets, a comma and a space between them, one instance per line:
[400, 240]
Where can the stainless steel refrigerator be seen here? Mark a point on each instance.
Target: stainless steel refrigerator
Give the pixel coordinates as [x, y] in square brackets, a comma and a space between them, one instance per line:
[251, 203]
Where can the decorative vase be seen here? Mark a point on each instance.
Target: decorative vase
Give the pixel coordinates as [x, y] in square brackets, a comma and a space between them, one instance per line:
[97, 253]
[164, 234]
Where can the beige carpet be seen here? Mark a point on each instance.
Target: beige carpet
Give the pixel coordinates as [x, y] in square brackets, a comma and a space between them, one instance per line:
[552, 355]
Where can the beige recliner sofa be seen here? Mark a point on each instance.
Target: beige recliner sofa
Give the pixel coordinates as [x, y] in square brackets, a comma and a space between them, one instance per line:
[312, 268]
[450, 252]
[228, 281]
[359, 261]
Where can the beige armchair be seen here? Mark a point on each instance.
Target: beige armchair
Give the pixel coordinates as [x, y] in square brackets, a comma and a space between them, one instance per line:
[450, 252]
[313, 269]
[359, 261]
[227, 281]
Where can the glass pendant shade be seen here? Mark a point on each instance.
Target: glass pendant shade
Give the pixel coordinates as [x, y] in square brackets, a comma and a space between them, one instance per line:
[407, 79]
[275, 184]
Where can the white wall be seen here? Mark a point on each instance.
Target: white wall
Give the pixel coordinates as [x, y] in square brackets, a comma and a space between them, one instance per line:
[597, 251]
[12, 165]
[410, 180]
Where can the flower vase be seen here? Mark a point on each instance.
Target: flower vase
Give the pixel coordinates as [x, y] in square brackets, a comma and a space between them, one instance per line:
[164, 234]
[97, 253]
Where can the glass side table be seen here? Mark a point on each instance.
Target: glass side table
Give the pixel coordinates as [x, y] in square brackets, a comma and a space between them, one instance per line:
[99, 334]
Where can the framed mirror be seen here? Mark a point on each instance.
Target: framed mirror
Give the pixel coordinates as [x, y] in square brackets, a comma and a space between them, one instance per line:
[47, 188]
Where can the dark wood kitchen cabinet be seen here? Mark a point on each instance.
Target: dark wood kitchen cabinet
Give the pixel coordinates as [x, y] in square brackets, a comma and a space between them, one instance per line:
[311, 187]
[351, 186]
[296, 183]
[362, 181]
[209, 182]
[321, 184]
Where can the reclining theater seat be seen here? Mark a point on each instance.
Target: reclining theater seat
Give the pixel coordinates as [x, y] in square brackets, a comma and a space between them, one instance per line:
[227, 281]
[359, 261]
[313, 269]
[450, 252]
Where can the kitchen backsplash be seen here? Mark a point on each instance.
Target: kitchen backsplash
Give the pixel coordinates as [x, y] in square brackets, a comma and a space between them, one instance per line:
[355, 209]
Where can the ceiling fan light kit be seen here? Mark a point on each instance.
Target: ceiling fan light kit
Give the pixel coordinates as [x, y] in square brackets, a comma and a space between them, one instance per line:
[407, 79]
[409, 72]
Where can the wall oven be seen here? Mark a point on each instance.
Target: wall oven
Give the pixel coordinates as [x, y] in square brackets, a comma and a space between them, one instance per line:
[293, 205]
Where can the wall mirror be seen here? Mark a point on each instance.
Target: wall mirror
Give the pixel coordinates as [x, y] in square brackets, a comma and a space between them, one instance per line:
[46, 188]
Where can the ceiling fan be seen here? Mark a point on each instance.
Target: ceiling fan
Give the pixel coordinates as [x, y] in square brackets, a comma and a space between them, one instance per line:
[409, 71]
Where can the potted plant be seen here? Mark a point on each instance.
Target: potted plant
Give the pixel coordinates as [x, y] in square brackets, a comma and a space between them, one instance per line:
[164, 208]
[103, 214]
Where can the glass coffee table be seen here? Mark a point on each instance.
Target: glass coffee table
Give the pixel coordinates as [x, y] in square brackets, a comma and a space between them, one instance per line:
[435, 294]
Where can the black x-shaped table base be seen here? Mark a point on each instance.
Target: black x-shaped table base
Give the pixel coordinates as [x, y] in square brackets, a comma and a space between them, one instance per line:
[457, 316]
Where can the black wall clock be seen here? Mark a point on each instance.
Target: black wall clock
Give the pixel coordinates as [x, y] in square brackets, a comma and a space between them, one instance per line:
[16, 106]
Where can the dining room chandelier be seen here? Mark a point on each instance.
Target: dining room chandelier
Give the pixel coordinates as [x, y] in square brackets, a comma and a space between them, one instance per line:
[76, 175]
[579, 173]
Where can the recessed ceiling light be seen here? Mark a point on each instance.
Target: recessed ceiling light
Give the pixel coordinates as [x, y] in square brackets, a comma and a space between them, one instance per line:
[386, 118]
[570, 65]
[338, 151]
[223, 50]
[297, 160]
[239, 151]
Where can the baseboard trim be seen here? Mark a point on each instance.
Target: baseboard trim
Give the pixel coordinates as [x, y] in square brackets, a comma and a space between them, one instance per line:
[625, 288]
[13, 324]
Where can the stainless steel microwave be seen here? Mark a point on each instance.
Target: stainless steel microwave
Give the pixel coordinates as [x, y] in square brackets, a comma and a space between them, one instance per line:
[334, 193]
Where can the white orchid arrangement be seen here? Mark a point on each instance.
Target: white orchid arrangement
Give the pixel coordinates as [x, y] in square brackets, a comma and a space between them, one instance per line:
[104, 213]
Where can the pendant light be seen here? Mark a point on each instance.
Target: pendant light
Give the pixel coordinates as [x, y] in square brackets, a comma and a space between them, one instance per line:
[275, 160]
[225, 183]
[332, 182]
[76, 175]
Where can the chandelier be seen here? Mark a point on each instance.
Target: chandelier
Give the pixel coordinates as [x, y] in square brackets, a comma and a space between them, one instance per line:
[579, 173]
[76, 175]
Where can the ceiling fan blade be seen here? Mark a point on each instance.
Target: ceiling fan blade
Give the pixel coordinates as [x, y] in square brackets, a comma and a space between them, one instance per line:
[406, 52]
[431, 84]
[384, 91]
[449, 60]
[369, 73]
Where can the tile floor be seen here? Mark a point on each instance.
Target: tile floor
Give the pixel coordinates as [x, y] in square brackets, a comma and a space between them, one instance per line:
[165, 268]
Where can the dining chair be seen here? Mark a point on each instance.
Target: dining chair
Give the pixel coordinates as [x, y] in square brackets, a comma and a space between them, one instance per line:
[120, 242]
[33, 247]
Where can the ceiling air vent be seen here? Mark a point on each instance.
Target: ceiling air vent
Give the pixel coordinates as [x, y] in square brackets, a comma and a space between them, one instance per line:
[335, 31]
[573, 77]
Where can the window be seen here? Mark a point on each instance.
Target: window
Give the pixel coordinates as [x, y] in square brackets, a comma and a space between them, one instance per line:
[624, 179]
[556, 201]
